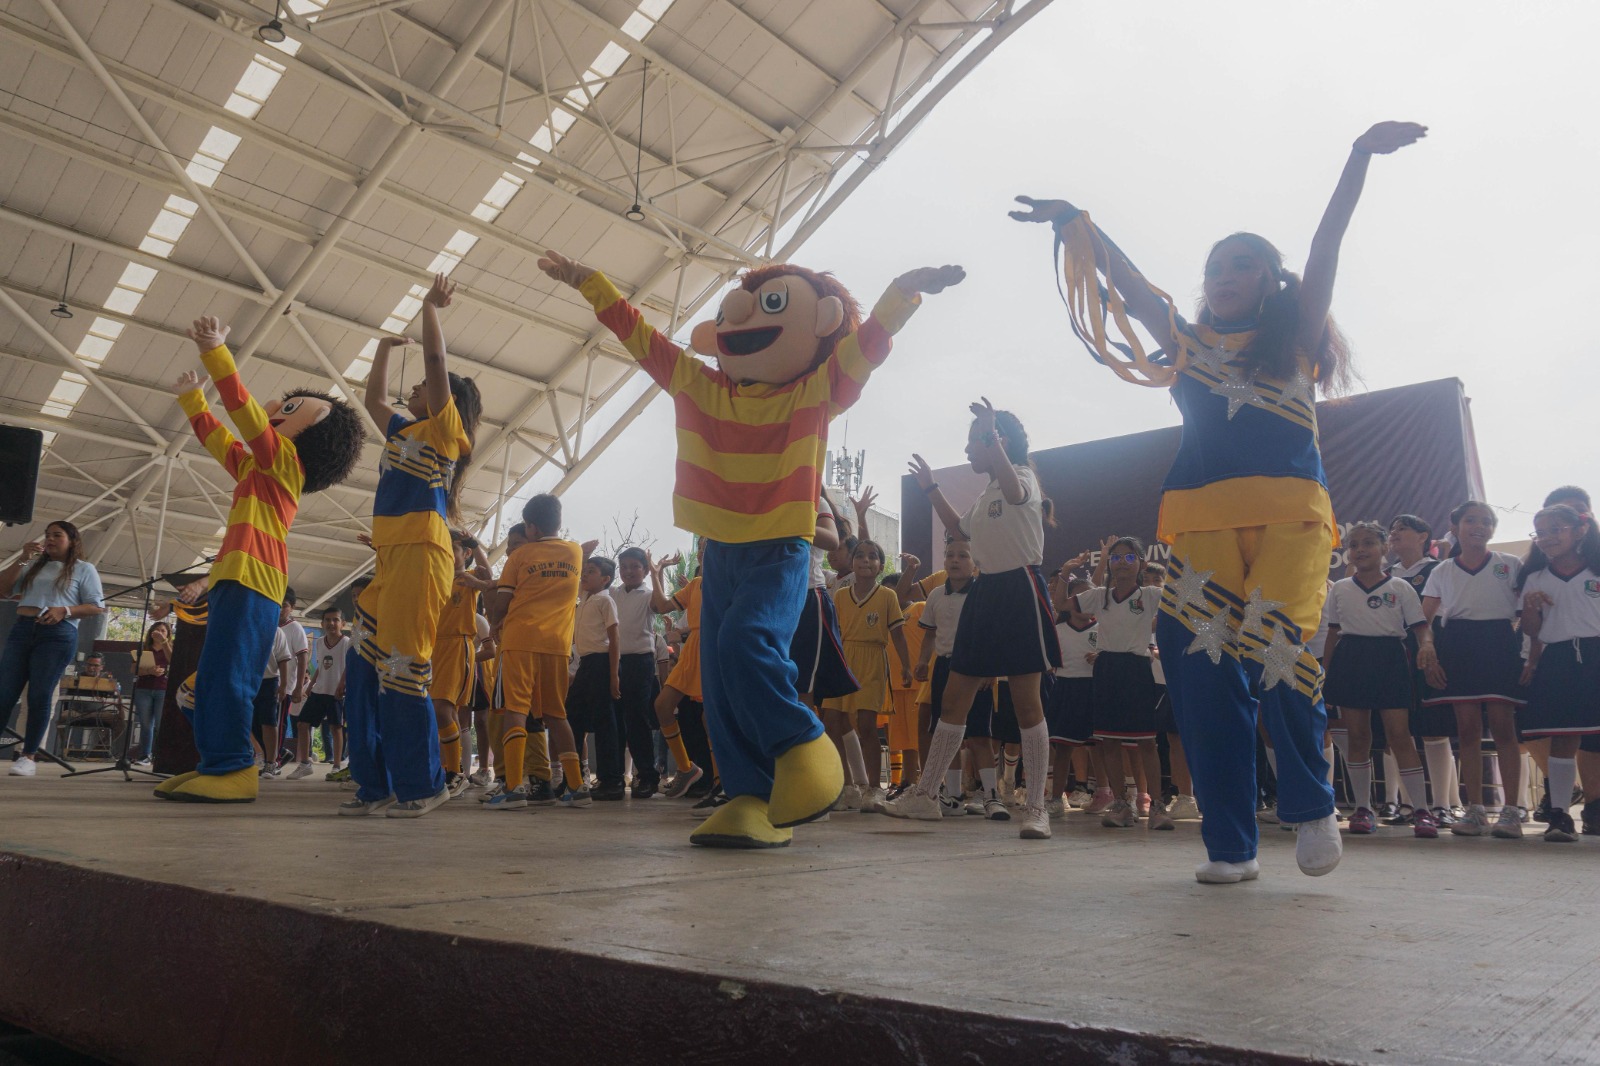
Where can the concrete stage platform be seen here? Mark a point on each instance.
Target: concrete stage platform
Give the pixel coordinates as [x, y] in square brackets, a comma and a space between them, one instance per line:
[144, 932]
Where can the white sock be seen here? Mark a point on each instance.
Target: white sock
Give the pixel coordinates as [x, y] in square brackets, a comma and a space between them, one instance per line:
[1391, 778]
[1036, 753]
[1415, 786]
[854, 760]
[1341, 741]
[988, 775]
[1563, 773]
[942, 752]
[1011, 769]
[952, 784]
[1442, 771]
[1361, 781]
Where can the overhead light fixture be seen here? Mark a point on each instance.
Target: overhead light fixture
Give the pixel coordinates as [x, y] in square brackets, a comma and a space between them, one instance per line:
[272, 32]
[636, 212]
[61, 310]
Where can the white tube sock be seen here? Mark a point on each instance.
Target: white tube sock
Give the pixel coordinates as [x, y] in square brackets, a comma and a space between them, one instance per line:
[988, 775]
[1563, 774]
[1415, 786]
[853, 759]
[952, 784]
[1361, 782]
[1391, 778]
[942, 753]
[1442, 771]
[1036, 754]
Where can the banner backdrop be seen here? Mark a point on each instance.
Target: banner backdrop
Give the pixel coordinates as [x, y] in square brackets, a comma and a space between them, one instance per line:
[1397, 451]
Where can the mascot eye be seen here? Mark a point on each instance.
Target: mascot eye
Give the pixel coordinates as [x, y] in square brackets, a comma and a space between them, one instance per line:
[774, 302]
[720, 316]
[290, 406]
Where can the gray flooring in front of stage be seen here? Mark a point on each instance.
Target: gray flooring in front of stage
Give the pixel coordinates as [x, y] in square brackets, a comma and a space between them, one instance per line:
[1447, 951]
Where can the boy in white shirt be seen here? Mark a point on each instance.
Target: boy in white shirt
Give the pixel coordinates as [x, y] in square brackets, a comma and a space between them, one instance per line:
[595, 688]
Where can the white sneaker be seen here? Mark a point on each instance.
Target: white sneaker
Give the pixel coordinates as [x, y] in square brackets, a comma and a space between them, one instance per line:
[950, 807]
[1056, 809]
[357, 807]
[1078, 799]
[995, 810]
[1318, 847]
[305, 769]
[1035, 824]
[849, 799]
[24, 767]
[915, 804]
[1119, 816]
[1509, 824]
[495, 789]
[1184, 809]
[1227, 873]
[456, 784]
[1267, 816]
[872, 801]
[142, 764]
[479, 778]
[270, 771]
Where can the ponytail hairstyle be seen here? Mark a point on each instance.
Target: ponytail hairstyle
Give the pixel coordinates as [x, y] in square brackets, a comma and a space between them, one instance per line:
[1047, 508]
[1459, 513]
[69, 562]
[469, 406]
[1588, 544]
[1536, 559]
[1271, 351]
[1012, 437]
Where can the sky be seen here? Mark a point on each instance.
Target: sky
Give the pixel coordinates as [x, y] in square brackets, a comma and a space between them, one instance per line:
[1175, 124]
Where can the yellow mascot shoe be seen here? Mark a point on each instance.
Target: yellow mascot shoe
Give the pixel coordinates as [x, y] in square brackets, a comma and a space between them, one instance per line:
[742, 822]
[164, 790]
[241, 786]
[806, 782]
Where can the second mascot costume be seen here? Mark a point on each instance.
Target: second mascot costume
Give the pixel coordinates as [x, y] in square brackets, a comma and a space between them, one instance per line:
[792, 353]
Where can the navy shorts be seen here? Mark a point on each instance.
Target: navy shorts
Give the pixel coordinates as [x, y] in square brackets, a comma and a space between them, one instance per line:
[264, 710]
[322, 707]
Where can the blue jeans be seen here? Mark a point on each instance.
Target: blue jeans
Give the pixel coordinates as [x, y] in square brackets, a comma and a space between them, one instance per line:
[751, 598]
[147, 712]
[35, 656]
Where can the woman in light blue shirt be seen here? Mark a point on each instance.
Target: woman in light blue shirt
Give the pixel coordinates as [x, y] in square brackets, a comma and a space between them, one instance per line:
[56, 587]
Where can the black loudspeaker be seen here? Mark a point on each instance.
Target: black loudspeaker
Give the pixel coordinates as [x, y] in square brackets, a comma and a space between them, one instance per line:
[19, 473]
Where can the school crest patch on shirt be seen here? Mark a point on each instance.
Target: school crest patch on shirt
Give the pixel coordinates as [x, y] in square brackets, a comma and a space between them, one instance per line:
[1591, 588]
[1502, 571]
[995, 507]
[872, 619]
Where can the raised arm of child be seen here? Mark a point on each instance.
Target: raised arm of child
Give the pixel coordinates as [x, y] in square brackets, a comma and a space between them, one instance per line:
[435, 367]
[930, 488]
[376, 398]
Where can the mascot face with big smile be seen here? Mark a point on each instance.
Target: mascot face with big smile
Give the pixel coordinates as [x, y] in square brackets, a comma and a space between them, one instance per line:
[781, 323]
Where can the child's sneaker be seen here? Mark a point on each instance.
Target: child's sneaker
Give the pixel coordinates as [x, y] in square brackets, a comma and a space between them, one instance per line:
[1056, 809]
[1035, 824]
[575, 798]
[1424, 824]
[494, 790]
[1160, 818]
[478, 778]
[1078, 799]
[995, 809]
[304, 769]
[540, 793]
[916, 804]
[683, 782]
[1509, 825]
[359, 807]
[1559, 828]
[1119, 816]
[1100, 801]
[1363, 822]
[872, 801]
[849, 799]
[512, 799]
[455, 785]
[418, 807]
[1591, 818]
[342, 773]
[1184, 808]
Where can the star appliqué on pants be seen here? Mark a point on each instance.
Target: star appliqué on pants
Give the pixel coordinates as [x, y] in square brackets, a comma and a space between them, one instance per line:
[395, 663]
[407, 449]
[1213, 635]
[1190, 586]
[1278, 659]
[1256, 611]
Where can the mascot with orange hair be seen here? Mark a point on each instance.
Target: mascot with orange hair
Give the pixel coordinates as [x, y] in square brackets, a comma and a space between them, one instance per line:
[791, 353]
